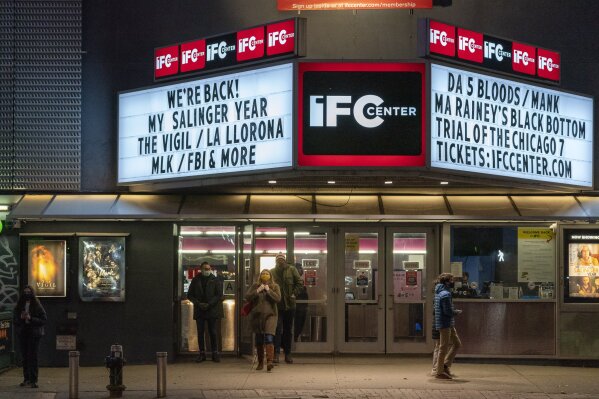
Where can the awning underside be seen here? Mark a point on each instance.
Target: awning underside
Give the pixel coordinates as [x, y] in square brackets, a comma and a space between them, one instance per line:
[306, 207]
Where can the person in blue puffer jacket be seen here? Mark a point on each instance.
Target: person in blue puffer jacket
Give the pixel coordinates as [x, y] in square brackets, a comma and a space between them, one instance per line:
[449, 342]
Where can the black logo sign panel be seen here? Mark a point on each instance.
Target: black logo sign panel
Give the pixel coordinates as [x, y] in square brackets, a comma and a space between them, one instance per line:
[362, 113]
[497, 54]
[221, 51]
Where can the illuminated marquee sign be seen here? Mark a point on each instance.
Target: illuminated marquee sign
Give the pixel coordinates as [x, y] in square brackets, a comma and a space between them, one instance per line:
[453, 43]
[233, 123]
[483, 124]
[274, 40]
[361, 114]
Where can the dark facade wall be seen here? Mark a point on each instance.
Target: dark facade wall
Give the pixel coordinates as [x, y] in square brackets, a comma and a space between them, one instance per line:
[143, 324]
[120, 36]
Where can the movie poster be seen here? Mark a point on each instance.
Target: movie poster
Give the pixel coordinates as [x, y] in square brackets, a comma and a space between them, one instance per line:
[47, 267]
[582, 265]
[102, 269]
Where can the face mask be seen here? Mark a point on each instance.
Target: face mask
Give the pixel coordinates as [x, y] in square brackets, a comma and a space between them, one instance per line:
[28, 295]
[206, 273]
[264, 278]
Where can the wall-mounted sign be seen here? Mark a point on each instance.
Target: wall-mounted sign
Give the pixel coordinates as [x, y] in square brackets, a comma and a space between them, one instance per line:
[274, 40]
[361, 114]
[310, 263]
[331, 5]
[483, 124]
[47, 266]
[457, 44]
[233, 123]
[362, 264]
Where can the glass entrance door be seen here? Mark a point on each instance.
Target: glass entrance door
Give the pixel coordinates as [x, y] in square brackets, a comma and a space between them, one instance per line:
[360, 291]
[409, 308]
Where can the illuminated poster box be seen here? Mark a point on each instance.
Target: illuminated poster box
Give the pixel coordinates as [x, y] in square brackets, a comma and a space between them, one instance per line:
[46, 267]
[581, 265]
[102, 269]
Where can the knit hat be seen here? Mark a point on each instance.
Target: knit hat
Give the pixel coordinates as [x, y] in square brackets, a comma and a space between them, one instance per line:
[280, 255]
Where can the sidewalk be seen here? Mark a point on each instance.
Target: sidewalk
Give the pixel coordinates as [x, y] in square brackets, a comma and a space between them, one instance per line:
[362, 377]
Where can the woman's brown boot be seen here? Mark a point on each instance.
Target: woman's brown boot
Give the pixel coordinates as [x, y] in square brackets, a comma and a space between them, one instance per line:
[260, 352]
[270, 354]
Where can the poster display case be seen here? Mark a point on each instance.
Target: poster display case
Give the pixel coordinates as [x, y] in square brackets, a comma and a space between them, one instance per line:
[102, 269]
[46, 267]
[581, 265]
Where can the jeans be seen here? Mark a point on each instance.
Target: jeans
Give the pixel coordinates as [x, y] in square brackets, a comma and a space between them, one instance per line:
[284, 333]
[262, 339]
[29, 349]
[201, 323]
[449, 343]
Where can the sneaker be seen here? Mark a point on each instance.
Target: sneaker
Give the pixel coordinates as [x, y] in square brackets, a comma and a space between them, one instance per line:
[216, 358]
[443, 376]
[288, 359]
[24, 383]
[276, 359]
[433, 373]
[34, 385]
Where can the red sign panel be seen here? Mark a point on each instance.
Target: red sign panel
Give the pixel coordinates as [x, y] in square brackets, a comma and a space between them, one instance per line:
[166, 61]
[281, 37]
[250, 44]
[329, 5]
[442, 39]
[524, 58]
[470, 45]
[193, 55]
[548, 64]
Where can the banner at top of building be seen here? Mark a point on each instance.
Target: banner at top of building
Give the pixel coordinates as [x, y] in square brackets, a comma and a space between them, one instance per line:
[307, 5]
[456, 44]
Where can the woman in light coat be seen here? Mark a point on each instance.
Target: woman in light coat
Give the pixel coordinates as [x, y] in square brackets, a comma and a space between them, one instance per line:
[264, 294]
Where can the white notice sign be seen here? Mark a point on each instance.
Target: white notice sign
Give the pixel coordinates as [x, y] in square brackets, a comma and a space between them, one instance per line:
[227, 124]
[483, 124]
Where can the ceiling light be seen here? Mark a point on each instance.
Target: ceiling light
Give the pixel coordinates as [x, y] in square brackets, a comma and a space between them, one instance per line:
[272, 182]
[388, 182]
[331, 182]
[444, 183]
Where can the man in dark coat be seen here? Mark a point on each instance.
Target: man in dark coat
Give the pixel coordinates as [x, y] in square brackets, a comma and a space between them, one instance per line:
[206, 294]
[290, 283]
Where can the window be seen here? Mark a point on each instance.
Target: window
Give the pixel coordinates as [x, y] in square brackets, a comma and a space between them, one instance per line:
[503, 262]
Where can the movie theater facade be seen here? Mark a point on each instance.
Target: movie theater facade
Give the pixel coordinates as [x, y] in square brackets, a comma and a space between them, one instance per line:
[372, 177]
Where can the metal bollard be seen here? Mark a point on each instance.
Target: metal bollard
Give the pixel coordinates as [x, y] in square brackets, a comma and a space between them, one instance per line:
[74, 375]
[161, 374]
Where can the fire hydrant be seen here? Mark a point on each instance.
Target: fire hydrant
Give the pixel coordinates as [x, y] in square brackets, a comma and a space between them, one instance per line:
[115, 363]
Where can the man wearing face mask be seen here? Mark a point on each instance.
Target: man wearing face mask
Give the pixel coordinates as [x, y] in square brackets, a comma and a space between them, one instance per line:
[206, 294]
[290, 282]
[449, 342]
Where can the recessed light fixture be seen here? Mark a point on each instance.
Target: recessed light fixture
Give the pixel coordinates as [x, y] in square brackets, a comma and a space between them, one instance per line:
[331, 182]
[272, 182]
[444, 183]
[388, 182]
